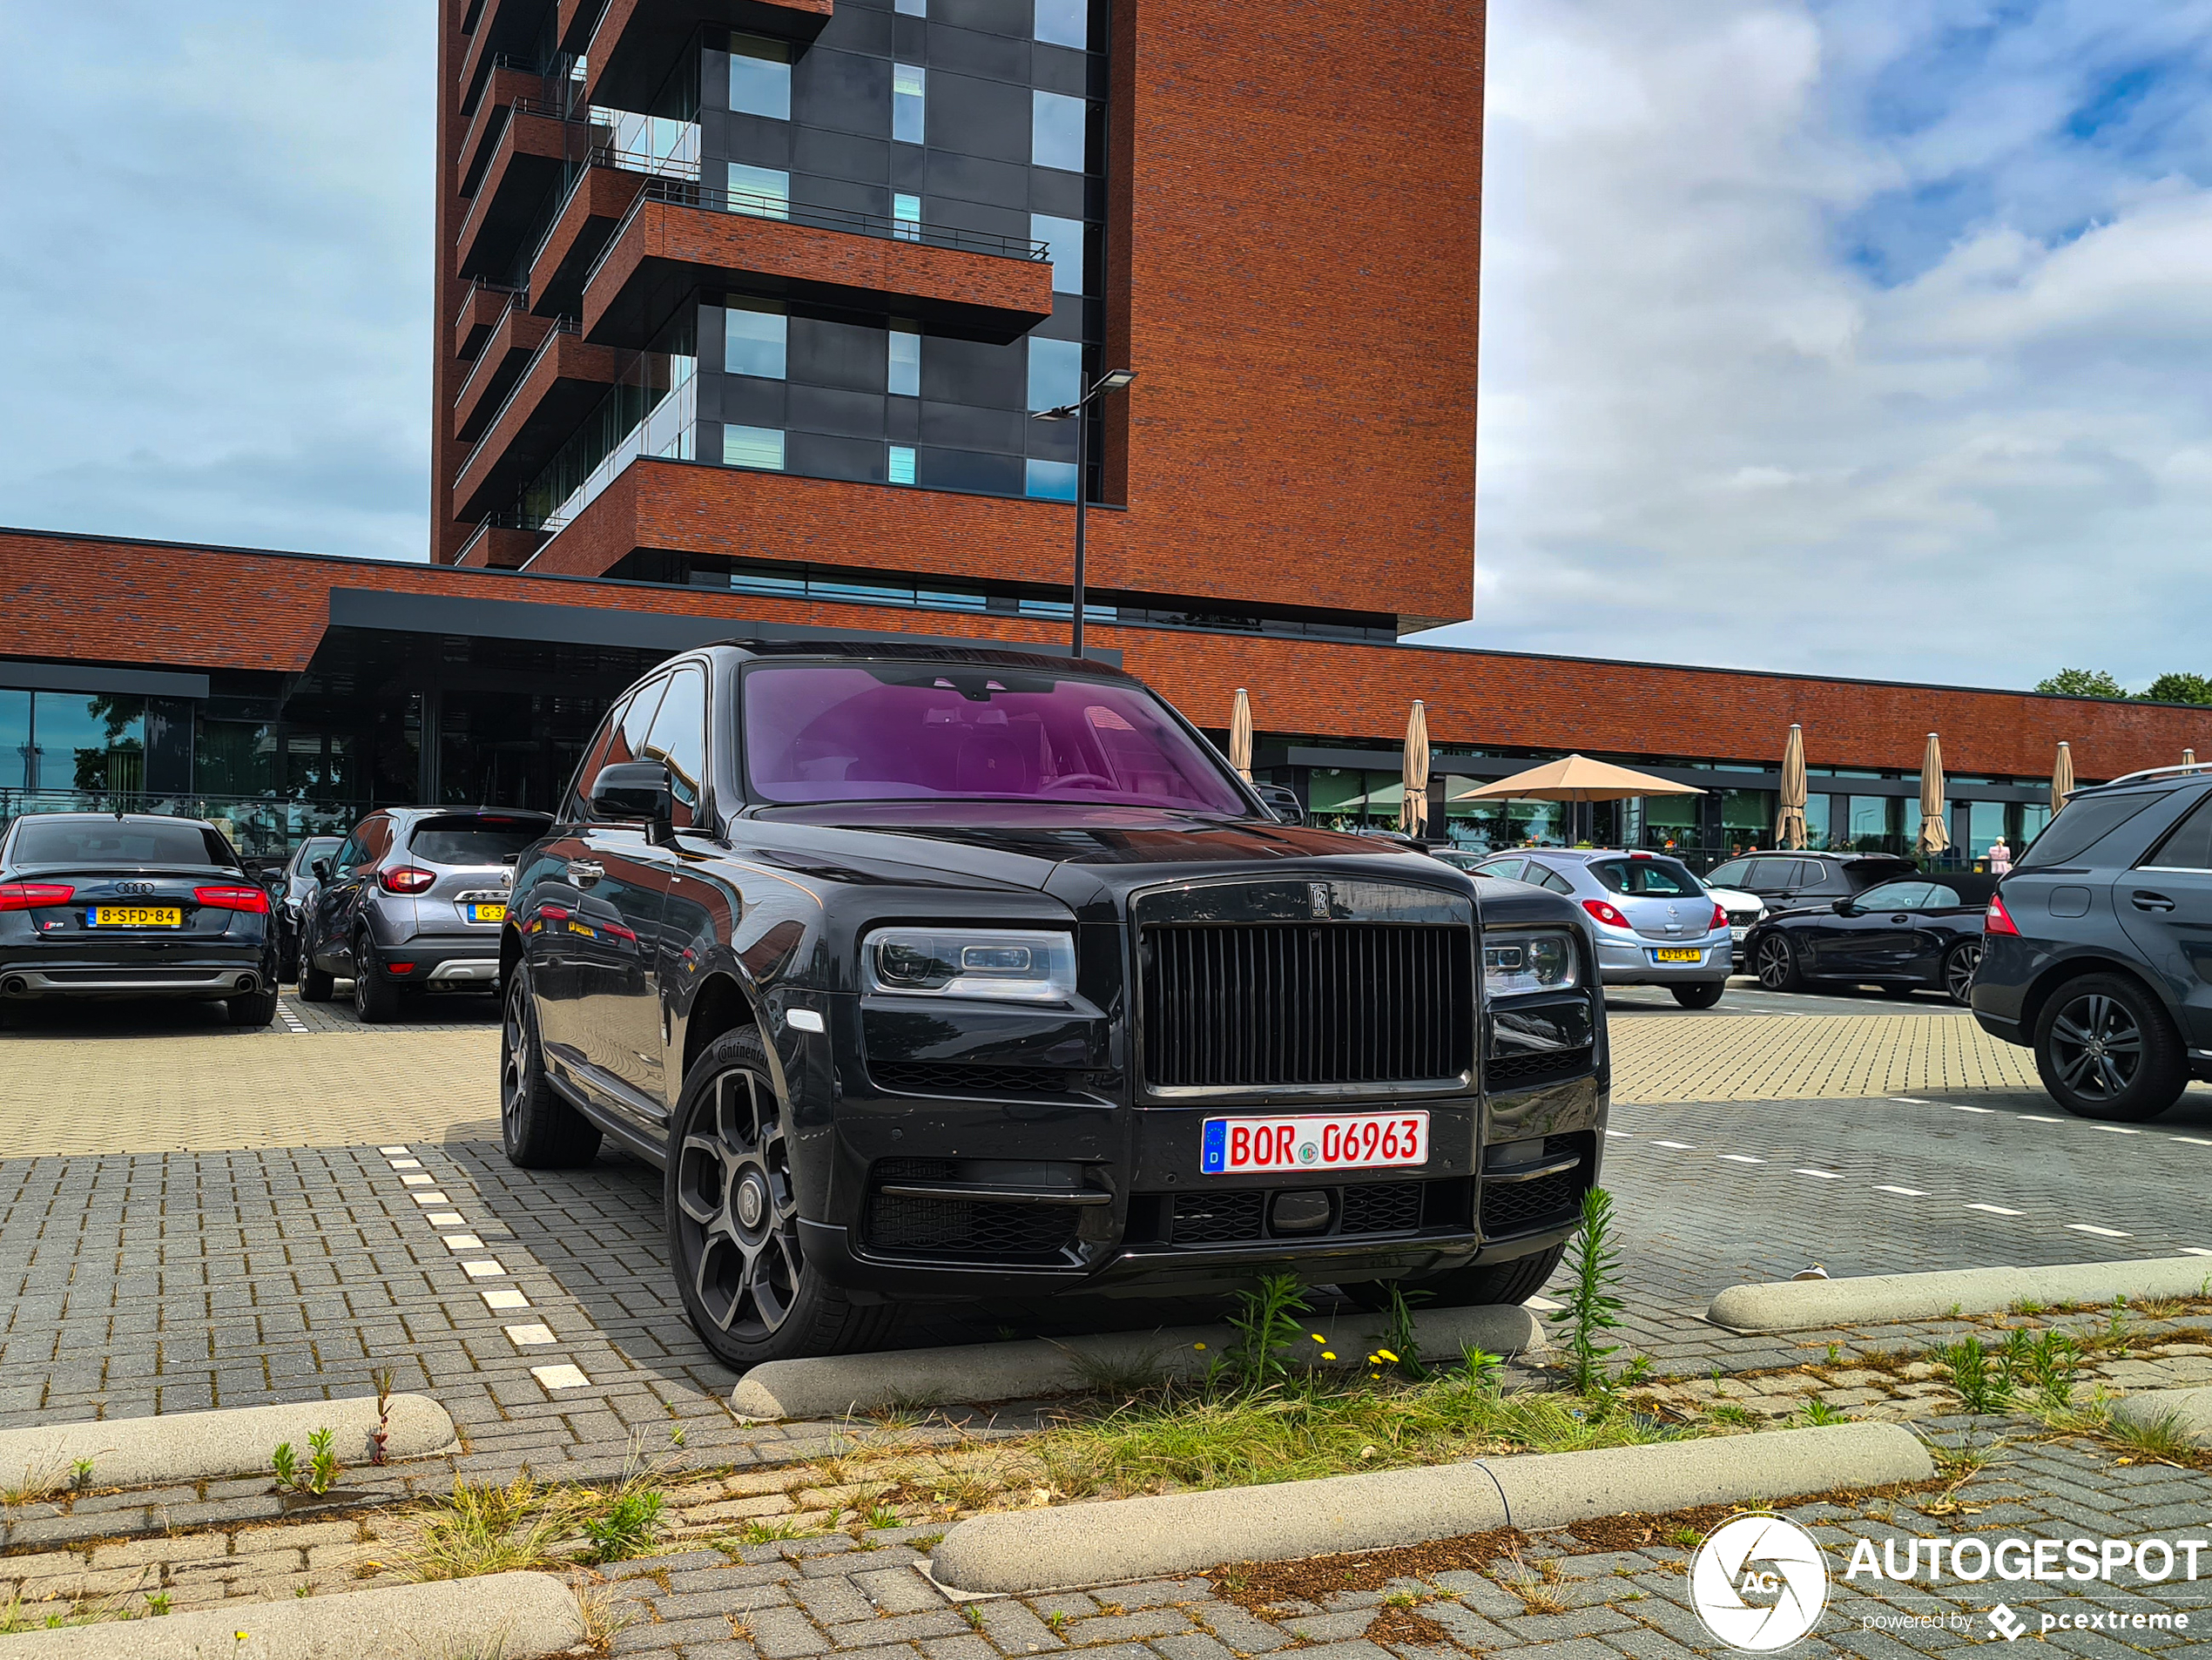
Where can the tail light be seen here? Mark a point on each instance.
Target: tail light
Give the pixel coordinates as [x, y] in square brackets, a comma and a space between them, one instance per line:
[29, 896]
[1998, 919]
[233, 899]
[1605, 912]
[406, 878]
[1720, 915]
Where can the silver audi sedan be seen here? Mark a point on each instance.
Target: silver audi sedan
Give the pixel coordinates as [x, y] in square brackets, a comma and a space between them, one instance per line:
[1656, 924]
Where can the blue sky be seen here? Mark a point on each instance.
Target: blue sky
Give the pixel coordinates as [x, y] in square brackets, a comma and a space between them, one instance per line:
[1870, 336]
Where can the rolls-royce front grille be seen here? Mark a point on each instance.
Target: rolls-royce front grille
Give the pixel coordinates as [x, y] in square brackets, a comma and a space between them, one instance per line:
[1270, 1004]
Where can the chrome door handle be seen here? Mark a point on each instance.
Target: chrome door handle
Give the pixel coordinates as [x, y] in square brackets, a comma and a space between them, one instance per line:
[585, 872]
[2149, 901]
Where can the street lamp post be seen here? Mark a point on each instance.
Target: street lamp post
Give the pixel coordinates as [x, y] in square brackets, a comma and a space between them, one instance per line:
[1079, 412]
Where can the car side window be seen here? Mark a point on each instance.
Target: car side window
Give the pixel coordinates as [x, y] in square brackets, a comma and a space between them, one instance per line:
[1545, 876]
[637, 723]
[1769, 873]
[678, 737]
[1727, 875]
[347, 856]
[375, 841]
[1940, 897]
[1508, 868]
[1893, 896]
[2188, 845]
[595, 757]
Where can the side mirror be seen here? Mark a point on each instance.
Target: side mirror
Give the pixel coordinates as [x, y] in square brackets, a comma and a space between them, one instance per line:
[322, 868]
[1844, 907]
[633, 790]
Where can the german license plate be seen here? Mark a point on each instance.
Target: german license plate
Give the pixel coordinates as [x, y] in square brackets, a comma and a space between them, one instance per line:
[1677, 954]
[486, 913]
[134, 916]
[1336, 1140]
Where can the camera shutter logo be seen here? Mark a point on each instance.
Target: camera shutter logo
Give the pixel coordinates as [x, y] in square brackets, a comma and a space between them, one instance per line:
[1759, 1582]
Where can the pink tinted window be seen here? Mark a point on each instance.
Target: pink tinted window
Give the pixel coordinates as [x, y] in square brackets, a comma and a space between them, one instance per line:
[816, 733]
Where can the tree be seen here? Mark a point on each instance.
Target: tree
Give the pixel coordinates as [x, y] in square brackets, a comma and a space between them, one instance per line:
[2179, 686]
[2082, 683]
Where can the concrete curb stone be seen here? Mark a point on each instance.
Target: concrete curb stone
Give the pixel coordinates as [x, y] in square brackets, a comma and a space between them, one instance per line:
[1805, 1305]
[2189, 1410]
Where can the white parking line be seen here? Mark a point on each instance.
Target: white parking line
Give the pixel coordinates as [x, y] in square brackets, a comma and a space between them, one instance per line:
[393, 1152]
[432, 1198]
[1996, 1210]
[415, 1181]
[461, 1242]
[2102, 1233]
[1911, 1100]
[525, 1336]
[505, 1298]
[1742, 1158]
[1679, 1146]
[406, 1164]
[444, 1219]
[2195, 1251]
[1824, 1174]
[1542, 1305]
[2193, 1141]
[1903, 1193]
[1955, 1107]
[487, 1268]
[2038, 1118]
[560, 1377]
[2116, 1129]
[1619, 1135]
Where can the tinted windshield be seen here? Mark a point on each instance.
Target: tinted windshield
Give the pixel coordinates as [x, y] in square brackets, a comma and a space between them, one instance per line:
[120, 842]
[472, 842]
[909, 731]
[1660, 877]
[2080, 824]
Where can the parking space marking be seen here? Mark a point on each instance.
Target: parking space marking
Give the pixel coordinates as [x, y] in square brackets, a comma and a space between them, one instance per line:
[505, 1299]
[560, 1377]
[462, 1241]
[1911, 1100]
[1542, 1305]
[483, 1268]
[529, 1336]
[432, 1198]
[2102, 1233]
[1903, 1192]
[2195, 1251]
[393, 1152]
[1742, 1158]
[1996, 1210]
[415, 1181]
[1679, 1146]
[444, 1219]
[1824, 1174]
[1955, 1107]
[2193, 1141]
[291, 1021]
[2116, 1129]
[2039, 1118]
[406, 1164]
[1619, 1135]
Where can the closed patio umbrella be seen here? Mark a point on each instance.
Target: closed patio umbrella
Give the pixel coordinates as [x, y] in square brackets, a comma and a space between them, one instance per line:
[1413, 811]
[1240, 735]
[2062, 776]
[1789, 821]
[2189, 757]
[1933, 837]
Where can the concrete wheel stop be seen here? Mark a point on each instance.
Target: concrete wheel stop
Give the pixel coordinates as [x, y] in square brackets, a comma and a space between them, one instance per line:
[1024, 1551]
[206, 1446]
[1812, 1305]
[833, 1386]
[2190, 1411]
[517, 1617]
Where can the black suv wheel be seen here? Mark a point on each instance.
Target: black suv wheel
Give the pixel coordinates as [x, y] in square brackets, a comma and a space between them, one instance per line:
[376, 999]
[538, 1129]
[2105, 1050]
[1493, 1284]
[732, 1204]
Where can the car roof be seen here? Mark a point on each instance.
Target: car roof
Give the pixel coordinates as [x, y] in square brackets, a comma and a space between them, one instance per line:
[902, 651]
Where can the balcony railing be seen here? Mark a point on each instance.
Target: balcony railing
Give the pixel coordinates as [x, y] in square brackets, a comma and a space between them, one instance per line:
[516, 299]
[562, 325]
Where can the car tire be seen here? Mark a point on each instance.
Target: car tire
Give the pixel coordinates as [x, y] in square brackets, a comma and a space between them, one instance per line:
[376, 999]
[730, 1200]
[1703, 994]
[1501, 1283]
[2106, 1049]
[257, 1009]
[1775, 961]
[538, 1127]
[1958, 965]
[315, 984]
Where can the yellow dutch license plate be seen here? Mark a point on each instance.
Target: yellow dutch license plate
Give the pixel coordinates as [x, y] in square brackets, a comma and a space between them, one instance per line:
[136, 916]
[486, 913]
[1678, 954]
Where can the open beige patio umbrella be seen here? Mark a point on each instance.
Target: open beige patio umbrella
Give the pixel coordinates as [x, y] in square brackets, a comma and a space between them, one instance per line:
[1933, 837]
[1240, 735]
[1789, 821]
[2062, 776]
[1413, 811]
[1577, 778]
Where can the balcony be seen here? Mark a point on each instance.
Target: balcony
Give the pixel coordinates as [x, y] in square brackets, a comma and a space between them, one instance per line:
[506, 353]
[634, 43]
[508, 84]
[505, 29]
[535, 147]
[560, 385]
[481, 309]
[677, 238]
[596, 202]
[500, 543]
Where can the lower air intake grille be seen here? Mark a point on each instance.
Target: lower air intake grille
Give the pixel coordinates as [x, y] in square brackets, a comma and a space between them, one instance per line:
[1512, 1071]
[1515, 1207]
[1212, 1218]
[1393, 1207]
[946, 1077]
[941, 1228]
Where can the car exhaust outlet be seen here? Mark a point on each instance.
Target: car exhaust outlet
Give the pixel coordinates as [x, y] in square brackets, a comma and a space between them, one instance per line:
[247, 982]
[12, 986]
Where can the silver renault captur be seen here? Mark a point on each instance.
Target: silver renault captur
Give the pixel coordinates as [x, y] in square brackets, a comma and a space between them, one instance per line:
[1656, 924]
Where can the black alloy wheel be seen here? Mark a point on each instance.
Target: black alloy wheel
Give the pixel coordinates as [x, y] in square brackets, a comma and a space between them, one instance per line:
[538, 1129]
[376, 999]
[732, 1215]
[2105, 1050]
[1958, 966]
[315, 984]
[1776, 964]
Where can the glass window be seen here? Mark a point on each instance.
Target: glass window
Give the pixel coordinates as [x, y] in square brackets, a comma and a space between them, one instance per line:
[904, 369]
[1053, 479]
[595, 757]
[1065, 238]
[2085, 821]
[636, 723]
[679, 738]
[1064, 23]
[1508, 868]
[1656, 878]
[1057, 122]
[15, 739]
[1894, 896]
[900, 467]
[752, 447]
[1055, 373]
[760, 77]
[905, 217]
[1545, 876]
[1941, 898]
[235, 757]
[2188, 845]
[60, 840]
[88, 743]
[1728, 876]
[1875, 820]
[1817, 822]
[1984, 827]
[468, 839]
[1769, 875]
[754, 335]
[763, 191]
[914, 8]
[907, 102]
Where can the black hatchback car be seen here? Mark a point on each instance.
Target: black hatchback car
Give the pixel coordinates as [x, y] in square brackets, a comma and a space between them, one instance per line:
[1920, 934]
[949, 973]
[105, 905]
[2098, 950]
[1787, 881]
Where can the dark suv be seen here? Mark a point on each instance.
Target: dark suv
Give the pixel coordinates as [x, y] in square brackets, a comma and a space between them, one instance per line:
[952, 973]
[1800, 881]
[2094, 950]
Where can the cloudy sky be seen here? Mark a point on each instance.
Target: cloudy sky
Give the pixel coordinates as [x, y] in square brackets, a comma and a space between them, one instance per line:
[1866, 336]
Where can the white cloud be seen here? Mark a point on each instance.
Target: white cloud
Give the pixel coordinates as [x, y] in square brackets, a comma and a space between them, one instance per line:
[1867, 337]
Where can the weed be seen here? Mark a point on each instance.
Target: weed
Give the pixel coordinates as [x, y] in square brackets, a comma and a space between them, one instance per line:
[1123, 1372]
[322, 1470]
[1981, 1387]
[767, 1530]
[1398, 1599]
[1638, 1371]
[1058, 1621]
[1267, 1322]
[630, 1526]
[39, 1482]
[1817, 1411]
[1401, 1341]
[1688, 1538]
[158, 1604]
[2027, 1306]
[1960, 1462]
[1532, 1586]
[881, 1516]
[1591, 1307]
[380, 1437]
[1483, 1369]
[1726, 1412]
[483, 1529]
[973, 1615]
[285, 1464]
[80, 1474]
[2048, 1365]
[1835, 1355]
[303, 1589]
[604, 1618]
[2162, 1438]
[2160, 1308]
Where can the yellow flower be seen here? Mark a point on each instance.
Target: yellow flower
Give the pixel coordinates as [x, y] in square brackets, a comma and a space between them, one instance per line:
[1328, 1354]
[1386, 1354]
[1198, 1345]
[1318, 1338]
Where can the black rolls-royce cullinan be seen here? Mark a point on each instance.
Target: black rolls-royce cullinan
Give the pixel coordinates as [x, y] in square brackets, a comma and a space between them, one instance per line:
[941, 973]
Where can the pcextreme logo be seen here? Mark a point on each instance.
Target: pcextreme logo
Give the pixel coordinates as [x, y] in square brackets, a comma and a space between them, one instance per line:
[1758, 1583]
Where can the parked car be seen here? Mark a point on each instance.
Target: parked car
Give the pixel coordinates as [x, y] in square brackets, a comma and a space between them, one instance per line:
[113, 905]
[954, 973]
[293, 889]
[1745, 912]
[1281, 801]
[2095, 953]
[1458, 858]
[1786, 881]
[1923, 934]
[1656, 924]
[413, 901]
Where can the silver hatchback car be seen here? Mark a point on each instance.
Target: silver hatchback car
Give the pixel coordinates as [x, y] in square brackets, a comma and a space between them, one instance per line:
[1656, 924]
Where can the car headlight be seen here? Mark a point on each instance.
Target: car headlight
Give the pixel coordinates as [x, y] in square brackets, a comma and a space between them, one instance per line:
[1529, 962]
[999, 963]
